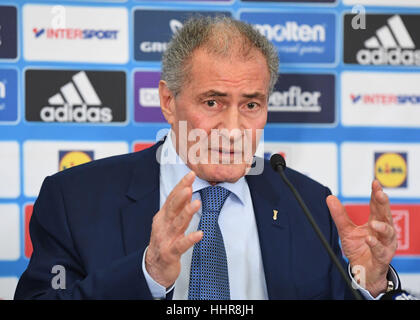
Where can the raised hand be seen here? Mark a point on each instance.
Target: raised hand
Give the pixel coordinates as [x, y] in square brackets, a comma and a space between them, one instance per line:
[372, 245]
[168, 240]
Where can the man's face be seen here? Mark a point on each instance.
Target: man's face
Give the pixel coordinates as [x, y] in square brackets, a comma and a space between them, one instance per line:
[225, 98]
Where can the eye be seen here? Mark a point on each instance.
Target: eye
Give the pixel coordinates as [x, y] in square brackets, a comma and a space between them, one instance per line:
[252, 105]
[211, 103]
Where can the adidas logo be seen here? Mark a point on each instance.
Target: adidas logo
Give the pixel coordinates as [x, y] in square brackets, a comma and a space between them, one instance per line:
[392, 45]
[77, 101]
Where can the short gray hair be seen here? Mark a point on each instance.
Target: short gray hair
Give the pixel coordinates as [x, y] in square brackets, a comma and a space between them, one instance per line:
[225, 32]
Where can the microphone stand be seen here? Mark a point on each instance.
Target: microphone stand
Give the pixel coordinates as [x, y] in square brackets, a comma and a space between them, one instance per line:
[279, 168]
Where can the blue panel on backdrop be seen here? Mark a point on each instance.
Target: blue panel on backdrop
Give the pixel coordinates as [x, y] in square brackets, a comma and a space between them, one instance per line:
[8, 95]
[8, 32]
[154, 28]
[299, 37]
[303, 98]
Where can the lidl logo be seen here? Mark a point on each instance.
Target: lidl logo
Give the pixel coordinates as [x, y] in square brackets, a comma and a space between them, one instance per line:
[391, 169]
[68, 159]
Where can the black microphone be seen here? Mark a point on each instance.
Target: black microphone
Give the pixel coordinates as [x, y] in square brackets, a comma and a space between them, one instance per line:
[398, 295]
[279, 164]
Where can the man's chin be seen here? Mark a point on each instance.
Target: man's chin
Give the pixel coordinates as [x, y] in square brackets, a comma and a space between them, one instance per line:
[217, 173]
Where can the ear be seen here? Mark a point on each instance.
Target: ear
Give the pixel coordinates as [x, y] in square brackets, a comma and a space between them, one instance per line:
[167, 102]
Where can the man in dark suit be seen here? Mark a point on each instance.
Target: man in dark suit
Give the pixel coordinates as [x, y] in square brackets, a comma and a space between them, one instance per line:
[143, 225]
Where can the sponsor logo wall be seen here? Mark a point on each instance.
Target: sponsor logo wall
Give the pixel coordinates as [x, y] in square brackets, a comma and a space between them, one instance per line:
[79, 82]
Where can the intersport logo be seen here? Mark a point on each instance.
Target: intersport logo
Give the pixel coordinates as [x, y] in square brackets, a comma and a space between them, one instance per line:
[385, 99]
[75, 33]
[75, 96]
[387, 40]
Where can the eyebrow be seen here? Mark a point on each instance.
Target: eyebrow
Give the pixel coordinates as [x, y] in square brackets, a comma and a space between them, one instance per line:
[257, 95]
[215, 93]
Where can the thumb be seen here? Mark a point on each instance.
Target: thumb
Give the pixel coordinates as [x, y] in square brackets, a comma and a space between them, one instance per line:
[339, 215]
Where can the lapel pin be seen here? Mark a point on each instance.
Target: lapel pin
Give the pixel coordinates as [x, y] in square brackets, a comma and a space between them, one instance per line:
[275, 214]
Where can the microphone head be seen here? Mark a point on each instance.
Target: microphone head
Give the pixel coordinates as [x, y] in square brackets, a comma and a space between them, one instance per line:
[277, 160]
[398, 295]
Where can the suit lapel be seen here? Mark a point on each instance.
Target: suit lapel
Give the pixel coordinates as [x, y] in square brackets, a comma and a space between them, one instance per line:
[143, 193]
[274, 235]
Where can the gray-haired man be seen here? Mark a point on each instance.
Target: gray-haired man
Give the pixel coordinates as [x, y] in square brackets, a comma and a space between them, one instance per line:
[217, 77]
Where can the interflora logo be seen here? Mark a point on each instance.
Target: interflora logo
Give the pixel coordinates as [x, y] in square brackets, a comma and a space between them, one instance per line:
[303, 98]
[391, 169]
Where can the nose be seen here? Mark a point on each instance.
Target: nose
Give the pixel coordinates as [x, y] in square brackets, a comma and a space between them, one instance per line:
[230, 124]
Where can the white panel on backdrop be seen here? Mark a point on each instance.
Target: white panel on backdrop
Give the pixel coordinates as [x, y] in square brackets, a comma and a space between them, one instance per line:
[394, 165]
[9, 169]
[43, 158]
[402, 3]
[411, 283]
[316, 160]
[9, 232]
[75, 34]
[380, 99]
[7, 287]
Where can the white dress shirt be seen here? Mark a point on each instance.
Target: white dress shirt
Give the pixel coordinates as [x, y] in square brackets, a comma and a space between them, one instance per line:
[239, 230]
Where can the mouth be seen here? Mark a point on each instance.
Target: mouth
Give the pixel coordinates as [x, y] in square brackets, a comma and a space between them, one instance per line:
[226, 152]
[221, 156]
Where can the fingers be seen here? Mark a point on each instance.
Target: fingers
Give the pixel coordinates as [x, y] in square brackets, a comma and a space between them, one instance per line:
[384, 232]
[168, 240]
[176, 204]
[377, 248]
[179, 196]
[181, 222]
[184, 243]
[383, 243]
[379, 204]
[339, 215]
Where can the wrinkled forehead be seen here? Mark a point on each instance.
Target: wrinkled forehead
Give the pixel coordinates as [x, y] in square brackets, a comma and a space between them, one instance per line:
[217, 61]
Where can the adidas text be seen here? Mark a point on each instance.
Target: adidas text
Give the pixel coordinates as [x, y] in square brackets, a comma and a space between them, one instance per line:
[393, 57]
[81, 113]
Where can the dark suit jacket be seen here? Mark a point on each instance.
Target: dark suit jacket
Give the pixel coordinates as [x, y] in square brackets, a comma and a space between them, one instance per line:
[95, 221]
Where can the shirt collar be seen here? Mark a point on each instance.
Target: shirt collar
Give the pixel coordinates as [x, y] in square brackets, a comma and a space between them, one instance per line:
[173, 169]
